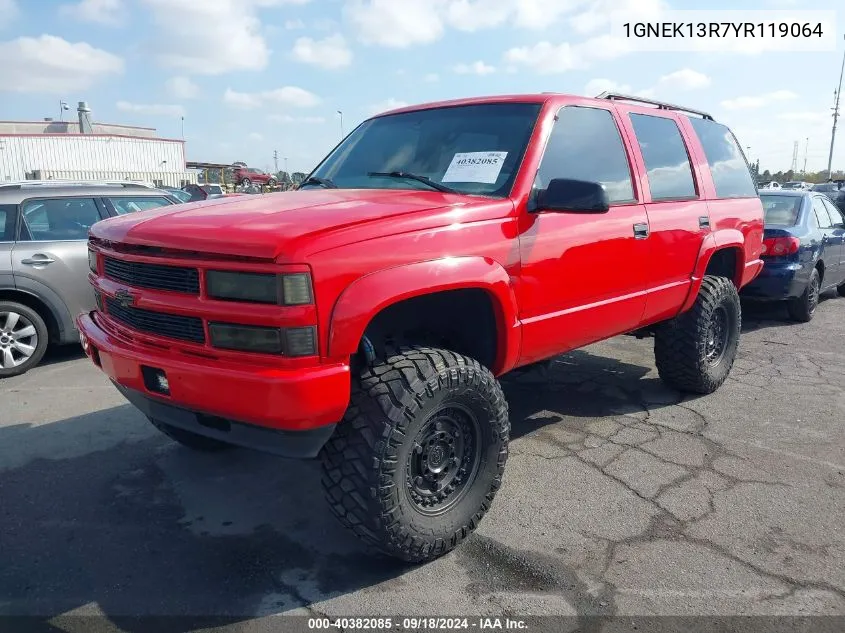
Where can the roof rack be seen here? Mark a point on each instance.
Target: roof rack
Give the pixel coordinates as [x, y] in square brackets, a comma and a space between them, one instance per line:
[660, 104]
[26, 184]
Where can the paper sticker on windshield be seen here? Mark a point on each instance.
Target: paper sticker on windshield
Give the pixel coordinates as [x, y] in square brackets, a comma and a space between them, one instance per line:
[481, 167]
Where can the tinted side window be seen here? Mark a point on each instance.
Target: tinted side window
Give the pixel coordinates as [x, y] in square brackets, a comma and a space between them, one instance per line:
[835, 215]
[127, 204]
[585, 145]
[821, 213]
[7, 222]
[58, 219]
[666, 160]
[731, 175]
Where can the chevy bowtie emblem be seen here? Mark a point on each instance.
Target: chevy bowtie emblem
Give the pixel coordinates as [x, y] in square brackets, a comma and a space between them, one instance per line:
[124, 298]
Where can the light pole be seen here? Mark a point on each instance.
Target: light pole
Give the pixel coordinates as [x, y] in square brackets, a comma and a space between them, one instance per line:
[341, 123]
[183, 127]
[835, 118]
[286, 165]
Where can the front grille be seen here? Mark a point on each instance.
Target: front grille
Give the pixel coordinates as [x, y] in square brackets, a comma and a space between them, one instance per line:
[168, 325]
[154, 276]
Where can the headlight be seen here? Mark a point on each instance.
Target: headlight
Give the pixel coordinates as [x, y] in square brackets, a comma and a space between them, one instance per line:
[92, 260]
[246, 338]
[300, 341]
[292, 289]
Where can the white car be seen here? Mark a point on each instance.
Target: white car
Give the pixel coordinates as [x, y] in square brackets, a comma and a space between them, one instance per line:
[769, 185]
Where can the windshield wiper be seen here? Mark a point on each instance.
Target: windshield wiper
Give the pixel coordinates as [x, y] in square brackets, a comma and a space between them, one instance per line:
[409, 176]
[323, 182]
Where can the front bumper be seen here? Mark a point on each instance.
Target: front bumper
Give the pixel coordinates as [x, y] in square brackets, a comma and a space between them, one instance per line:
[776, 282]
[286, 400]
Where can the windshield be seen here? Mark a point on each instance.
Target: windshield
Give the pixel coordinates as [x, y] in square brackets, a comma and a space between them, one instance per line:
[781, 210]
[475, 149]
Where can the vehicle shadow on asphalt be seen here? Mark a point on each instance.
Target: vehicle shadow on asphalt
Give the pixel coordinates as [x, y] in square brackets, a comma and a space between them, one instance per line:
[136, 525]
[758, 315]
[62, 354]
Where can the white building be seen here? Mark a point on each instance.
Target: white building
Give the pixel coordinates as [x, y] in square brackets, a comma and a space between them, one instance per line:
[89, 151]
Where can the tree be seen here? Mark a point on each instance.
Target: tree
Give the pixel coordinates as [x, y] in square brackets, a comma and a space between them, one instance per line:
[767, 176]
[297, 177]
[283, 177]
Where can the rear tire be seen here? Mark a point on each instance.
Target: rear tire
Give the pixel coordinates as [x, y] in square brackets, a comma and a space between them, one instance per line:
[695, 351]
[246, 182]
[420, 453]
[272, 182]
[841, 289]
[193, 441]
[23, 339]
[803, 308]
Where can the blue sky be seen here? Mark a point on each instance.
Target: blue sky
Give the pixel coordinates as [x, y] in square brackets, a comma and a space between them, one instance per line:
[254, 76]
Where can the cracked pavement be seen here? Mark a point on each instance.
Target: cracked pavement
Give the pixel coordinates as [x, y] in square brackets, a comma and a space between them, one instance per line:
[621, 497]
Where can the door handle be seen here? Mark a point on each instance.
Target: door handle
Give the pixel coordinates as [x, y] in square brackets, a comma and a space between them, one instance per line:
[641, 231]
[703, 222]
[37, 260]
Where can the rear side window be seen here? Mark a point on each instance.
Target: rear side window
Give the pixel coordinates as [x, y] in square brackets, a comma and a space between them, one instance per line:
[834, 213]
[731, 174]
[124, 205]
[666, 160]
[58, 219]
[822, 216]
[585, 145]
[782, 210]
[7, 222]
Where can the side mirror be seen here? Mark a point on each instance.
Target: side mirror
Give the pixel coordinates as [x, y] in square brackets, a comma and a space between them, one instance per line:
[573, 196]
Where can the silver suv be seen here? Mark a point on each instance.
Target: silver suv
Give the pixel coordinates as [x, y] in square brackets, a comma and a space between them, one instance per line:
[44, 259]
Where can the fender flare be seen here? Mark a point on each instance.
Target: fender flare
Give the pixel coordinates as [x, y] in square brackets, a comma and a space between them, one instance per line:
[715, 241]
[367, 296]
[52, 301]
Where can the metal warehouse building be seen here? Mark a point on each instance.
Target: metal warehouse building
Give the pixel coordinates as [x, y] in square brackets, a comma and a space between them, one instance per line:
[90, 151]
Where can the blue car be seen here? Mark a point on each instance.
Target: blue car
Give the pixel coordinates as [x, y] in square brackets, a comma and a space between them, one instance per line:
[803, 251]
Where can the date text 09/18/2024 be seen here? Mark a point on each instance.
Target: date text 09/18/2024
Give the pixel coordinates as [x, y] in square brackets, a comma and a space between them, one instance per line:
[417, 624]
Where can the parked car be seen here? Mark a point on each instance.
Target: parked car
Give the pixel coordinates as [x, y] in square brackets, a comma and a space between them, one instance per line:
[770, 184]
[798, 185]
[365, 317]
[803, 251]
[179, 194]
[246, 176]
[44, 260]
[835, 190]
[204, 192]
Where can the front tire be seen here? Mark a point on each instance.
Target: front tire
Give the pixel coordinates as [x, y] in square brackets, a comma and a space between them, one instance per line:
[272, 183]
[803, 308]
[695, 351]
[415, 463]
[23, 339]
[246, 182]
[193, 441]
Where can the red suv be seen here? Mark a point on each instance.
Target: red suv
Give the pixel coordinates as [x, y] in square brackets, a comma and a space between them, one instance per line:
[246, 176]
[366, 317]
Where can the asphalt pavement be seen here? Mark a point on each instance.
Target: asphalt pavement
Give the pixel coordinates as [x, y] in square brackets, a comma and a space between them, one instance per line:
[621, 497]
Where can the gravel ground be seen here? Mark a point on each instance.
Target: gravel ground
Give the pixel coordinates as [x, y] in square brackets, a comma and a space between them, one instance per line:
[620, 498]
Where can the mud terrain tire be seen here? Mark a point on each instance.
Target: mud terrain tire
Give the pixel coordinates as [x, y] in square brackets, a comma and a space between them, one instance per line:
[420, 453]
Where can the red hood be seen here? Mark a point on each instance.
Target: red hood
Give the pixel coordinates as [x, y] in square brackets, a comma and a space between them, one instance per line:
[264, 225]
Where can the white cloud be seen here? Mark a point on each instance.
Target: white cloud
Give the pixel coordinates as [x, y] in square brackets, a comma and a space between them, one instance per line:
[431, 78]
[287, 95]
[255, 136]
[545, 57]
[294, 25]
[597, 16]
[685, 79]
[287, 118]
[107, 12]
[384, 106]
[748, 103]
[50, 64]
[331, 52]
[182, 88]
[211, 38]
[475, 68]
[395, 24]
[8, 12]
[151, 109]
[597, 86]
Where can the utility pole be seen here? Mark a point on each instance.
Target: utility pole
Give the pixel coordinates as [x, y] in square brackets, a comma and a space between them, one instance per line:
[286, 165]
[835, 118]
[276, 160]
[340, 112]
[794, 167]
[806, 147]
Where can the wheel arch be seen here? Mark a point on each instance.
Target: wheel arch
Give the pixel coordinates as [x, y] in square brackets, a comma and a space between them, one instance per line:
[462, 278]
[45, 310]
[722, 254]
